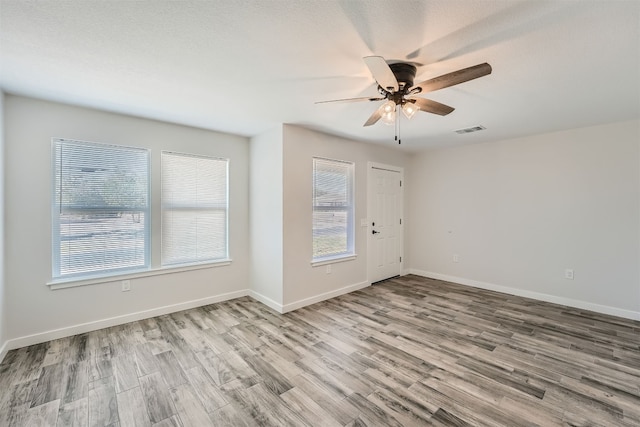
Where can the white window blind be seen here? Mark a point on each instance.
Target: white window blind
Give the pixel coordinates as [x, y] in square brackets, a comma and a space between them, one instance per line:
[332, 208]
[194, 208]
[100, 209]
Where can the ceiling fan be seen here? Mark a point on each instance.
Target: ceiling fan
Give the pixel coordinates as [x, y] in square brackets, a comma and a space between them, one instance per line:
[395, 84]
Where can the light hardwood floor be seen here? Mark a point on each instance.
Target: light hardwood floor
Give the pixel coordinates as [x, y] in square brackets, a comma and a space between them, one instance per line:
[408, 351]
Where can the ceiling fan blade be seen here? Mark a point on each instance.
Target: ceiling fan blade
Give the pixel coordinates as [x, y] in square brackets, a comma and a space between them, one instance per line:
[364, 98]
[374, 118]
[382, 73]
[431, 106]
[454, 78]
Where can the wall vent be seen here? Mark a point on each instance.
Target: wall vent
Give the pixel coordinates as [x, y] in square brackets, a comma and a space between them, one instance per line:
[471, 129]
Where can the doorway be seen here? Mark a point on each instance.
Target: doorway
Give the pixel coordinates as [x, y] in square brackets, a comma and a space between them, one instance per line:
[385, 228]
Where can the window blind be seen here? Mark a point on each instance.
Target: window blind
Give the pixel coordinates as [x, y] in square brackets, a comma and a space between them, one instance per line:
[194, 208]
[100, 208]
[332, 208]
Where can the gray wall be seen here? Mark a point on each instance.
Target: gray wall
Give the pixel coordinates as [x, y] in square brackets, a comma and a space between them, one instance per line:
[304, 283]
[266, 217]
[36, 309]
[3, 308]
[519, 212]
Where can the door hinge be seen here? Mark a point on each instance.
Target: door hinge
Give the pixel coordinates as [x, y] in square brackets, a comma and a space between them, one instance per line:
[400, 183]
[400, 221]
[400, 259]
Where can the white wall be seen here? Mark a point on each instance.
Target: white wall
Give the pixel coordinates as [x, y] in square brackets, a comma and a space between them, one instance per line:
[304, 284]
[35, 309]
[519, 212]
[266, 217]
[3, 307]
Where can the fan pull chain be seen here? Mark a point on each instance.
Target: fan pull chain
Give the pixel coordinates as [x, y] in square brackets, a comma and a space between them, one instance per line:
[395, 128]
[398, 138]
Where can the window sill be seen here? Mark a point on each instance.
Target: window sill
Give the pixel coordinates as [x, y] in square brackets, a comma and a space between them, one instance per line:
[333, 260]
[72, 283]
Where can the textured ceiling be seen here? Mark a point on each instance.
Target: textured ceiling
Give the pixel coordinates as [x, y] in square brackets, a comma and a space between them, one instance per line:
[244, 66]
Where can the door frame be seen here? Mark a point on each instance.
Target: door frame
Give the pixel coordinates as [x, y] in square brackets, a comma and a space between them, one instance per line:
[370, 167]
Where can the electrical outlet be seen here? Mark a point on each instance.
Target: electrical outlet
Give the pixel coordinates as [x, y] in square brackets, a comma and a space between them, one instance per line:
[126, 285]
[568, 274]
[456, 258]
[328, 268]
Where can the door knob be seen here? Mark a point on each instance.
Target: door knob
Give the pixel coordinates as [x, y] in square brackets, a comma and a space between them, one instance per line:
[375, 232]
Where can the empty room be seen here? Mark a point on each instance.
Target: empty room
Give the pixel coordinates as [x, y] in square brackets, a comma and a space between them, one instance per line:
[320, 213]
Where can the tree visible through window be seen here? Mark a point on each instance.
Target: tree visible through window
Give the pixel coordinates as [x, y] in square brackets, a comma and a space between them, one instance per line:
[100, 209]
[332, 208]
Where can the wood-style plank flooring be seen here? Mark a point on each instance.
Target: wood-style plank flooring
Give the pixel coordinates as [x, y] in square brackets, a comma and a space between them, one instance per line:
[408, 351]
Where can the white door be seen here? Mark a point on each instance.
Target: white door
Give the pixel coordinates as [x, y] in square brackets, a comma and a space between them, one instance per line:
[385, 222]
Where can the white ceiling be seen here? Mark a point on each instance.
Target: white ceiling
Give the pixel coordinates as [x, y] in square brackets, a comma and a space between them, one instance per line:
[244, 66]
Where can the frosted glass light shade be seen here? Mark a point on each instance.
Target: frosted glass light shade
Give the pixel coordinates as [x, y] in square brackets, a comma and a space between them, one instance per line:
[410, 109]
[389, 118]
[388, 107]
[388, 113]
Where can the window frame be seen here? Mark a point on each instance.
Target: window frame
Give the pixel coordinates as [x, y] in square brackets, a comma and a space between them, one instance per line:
[56, 256]
[226, 209]
[349, 253]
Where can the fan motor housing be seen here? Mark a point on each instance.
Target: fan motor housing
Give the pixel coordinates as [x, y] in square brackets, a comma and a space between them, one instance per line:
[405, 73]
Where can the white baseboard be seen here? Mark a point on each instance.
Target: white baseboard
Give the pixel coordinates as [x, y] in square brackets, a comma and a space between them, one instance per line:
[583, 305]
[325, 296]
[159, 311]
[113, 321]
[266, 301]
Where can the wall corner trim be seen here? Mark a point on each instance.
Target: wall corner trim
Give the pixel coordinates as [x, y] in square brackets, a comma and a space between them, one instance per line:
[266, 301]
[583, 305]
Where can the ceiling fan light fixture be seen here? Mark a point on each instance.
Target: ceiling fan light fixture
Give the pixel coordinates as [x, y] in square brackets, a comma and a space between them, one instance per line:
[388, 112]
[395, 83]
[388, 107]
[389, 118]
[409, 109]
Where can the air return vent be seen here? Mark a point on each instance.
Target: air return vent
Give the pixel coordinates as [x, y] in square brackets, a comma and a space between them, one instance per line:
[471, 129]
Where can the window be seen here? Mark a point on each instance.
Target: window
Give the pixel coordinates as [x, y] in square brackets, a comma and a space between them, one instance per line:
[332, 209]
[100, 215]
[194, 208]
